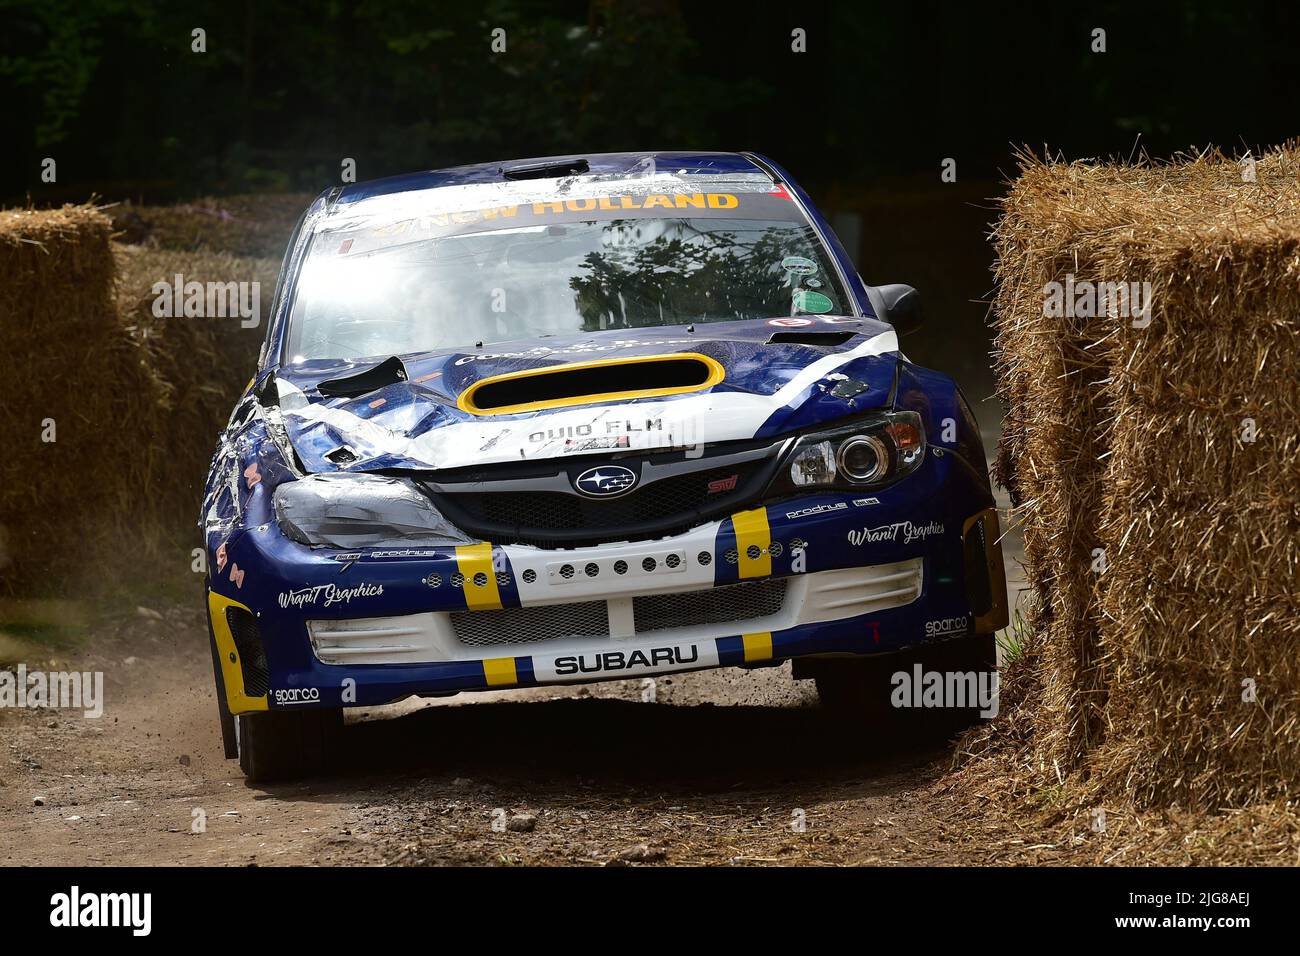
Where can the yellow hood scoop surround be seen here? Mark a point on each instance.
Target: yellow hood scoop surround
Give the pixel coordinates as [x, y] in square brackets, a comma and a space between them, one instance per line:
[590, 383]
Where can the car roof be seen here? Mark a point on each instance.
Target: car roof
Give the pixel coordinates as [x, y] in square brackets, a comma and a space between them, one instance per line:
[597, 164]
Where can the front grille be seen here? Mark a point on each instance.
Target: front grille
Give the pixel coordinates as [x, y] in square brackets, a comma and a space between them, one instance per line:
[750, 601]
[550, 519]
[252, 656]
[524, 625]
[734, 602]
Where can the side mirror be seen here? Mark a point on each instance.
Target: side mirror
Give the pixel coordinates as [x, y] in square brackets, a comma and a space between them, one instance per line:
[899, 305]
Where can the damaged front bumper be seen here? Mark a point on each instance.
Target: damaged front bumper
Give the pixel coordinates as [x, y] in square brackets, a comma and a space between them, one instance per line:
[823, 574]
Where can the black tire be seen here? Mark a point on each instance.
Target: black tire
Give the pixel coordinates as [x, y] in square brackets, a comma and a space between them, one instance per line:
[861, 689]
[857, 689]
[288, 745]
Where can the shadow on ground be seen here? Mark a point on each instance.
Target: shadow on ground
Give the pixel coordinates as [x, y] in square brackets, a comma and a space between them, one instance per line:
[691, 748]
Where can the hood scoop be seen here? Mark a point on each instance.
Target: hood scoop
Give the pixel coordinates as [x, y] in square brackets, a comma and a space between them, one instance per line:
[584, 383]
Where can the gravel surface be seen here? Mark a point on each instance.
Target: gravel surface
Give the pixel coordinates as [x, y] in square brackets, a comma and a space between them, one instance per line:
[720, 767]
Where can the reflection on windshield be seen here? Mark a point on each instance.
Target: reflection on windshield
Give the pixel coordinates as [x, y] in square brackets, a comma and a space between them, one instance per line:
[455, 291]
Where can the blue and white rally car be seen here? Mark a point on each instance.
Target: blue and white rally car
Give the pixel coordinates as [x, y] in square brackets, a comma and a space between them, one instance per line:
[580, 419]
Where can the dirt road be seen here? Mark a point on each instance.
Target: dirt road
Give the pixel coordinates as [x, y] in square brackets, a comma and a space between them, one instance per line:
[721, 767]
[724, 767]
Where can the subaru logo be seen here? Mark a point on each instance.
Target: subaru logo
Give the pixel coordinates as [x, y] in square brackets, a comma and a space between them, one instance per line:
[605, 481]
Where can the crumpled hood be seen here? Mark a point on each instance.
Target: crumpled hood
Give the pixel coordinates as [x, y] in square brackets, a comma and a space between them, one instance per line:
[766, 389]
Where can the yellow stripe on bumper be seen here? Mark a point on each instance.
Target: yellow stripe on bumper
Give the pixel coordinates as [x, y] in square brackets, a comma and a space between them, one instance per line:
[500, 671]
[228, 655]
[758, 647]
[473, 560]
[752, 530]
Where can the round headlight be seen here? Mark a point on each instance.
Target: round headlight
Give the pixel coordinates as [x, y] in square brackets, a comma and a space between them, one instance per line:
[862, 458]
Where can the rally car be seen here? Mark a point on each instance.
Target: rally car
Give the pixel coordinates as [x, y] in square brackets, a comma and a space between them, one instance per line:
[581, 419]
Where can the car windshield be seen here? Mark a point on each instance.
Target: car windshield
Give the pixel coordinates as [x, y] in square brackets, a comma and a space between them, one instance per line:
[633, 259]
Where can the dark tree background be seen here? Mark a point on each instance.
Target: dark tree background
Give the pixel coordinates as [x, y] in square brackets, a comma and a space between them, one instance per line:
[112, 90]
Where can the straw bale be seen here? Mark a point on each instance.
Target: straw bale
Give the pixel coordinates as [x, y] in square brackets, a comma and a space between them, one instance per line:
[1174, 447]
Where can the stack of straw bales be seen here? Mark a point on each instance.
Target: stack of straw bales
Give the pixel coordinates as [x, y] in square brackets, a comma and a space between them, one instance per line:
[136, 401]
[255, 224]
[1156, 470]
[201, 364]
[70, 372]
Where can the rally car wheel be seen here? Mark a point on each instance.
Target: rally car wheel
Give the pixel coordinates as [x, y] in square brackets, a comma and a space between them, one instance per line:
[287, 745]
[862, 689]
[856, 688]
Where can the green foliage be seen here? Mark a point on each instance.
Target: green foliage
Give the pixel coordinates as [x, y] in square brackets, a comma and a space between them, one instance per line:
[1013, 640]
[286, 90]
[284, 93]
[65, 48]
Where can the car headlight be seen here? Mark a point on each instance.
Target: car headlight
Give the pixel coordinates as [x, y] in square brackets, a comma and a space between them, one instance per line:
[867, 454]
[360, 510]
